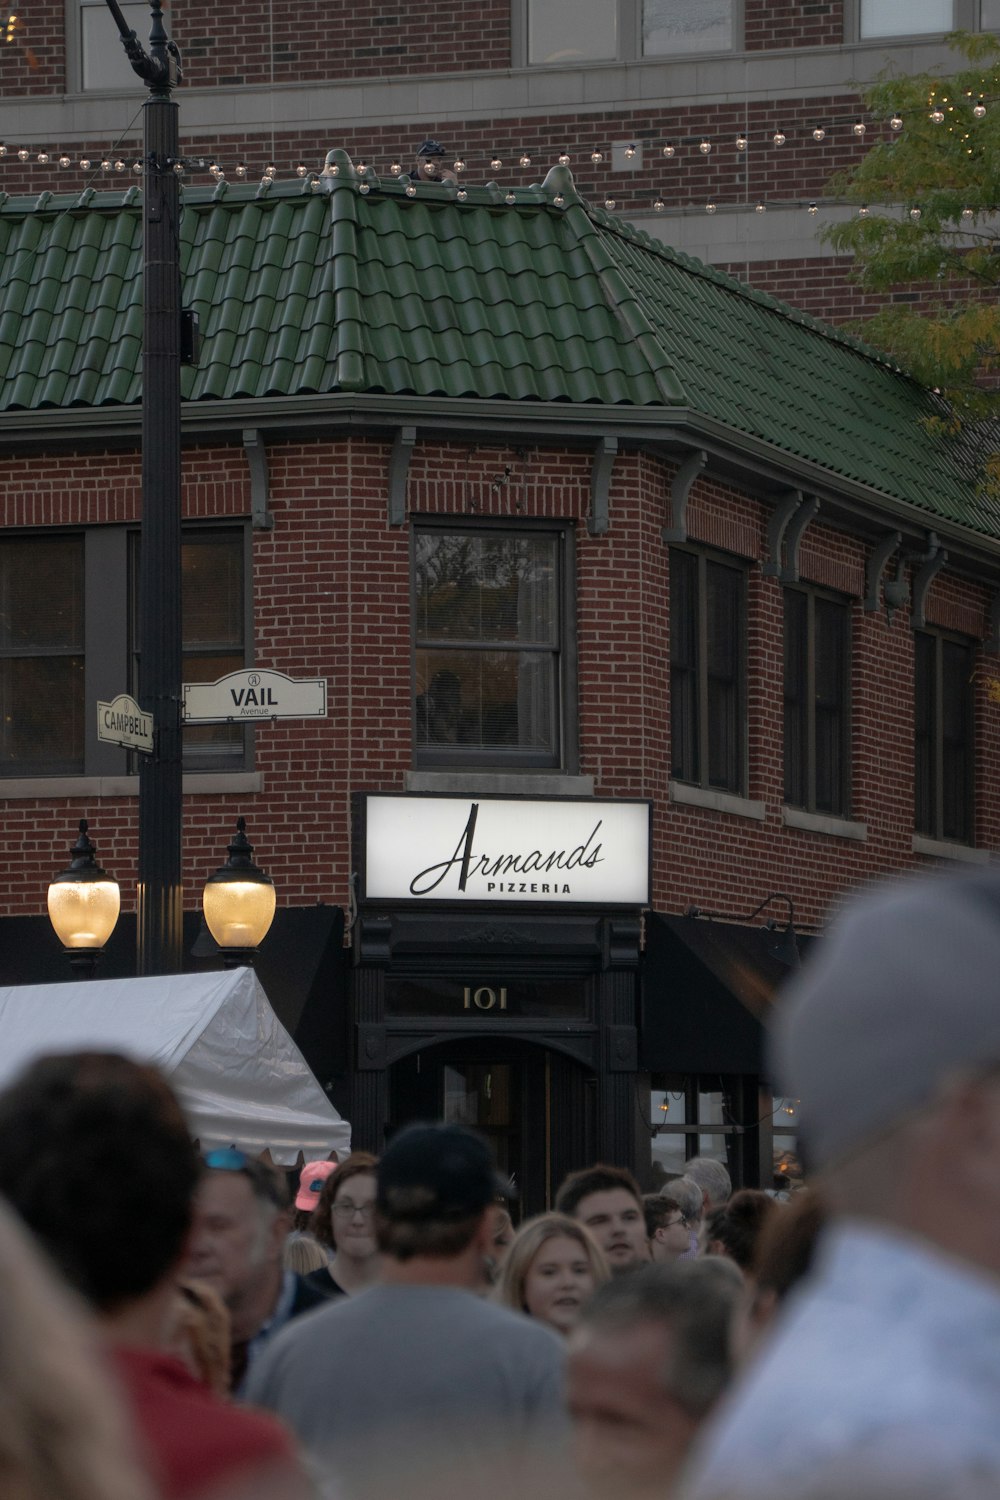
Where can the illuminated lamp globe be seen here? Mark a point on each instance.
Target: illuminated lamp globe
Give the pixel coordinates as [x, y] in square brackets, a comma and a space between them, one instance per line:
[238, 902]
[84, 902]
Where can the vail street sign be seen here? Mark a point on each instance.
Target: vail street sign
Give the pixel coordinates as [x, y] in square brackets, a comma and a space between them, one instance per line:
[244, 696]
[123, 722]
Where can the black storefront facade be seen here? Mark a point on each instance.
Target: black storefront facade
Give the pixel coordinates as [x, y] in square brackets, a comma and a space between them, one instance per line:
[496, 956]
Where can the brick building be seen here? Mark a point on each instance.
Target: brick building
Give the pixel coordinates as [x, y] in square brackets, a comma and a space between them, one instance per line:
[568, 523]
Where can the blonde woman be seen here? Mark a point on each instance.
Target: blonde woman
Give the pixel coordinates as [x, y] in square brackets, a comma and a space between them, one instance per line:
[551, 1269]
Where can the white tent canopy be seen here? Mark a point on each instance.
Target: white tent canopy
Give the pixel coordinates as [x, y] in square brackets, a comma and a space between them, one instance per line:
[237, 1072]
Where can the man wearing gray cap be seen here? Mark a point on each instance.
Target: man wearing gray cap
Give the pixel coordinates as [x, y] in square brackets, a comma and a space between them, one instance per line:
[884, 1375]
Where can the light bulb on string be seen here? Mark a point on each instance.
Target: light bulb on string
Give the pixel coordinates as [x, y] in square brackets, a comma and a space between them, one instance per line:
[525, 159]
[510, 200]
[778, 138]
[967, 215]
[300, 169]
[119, 164]
[864, 211]
[610, 203]
[670, 149]
[659, 205]
[979, 109]
[461, 195]
[64, 162]
[819, 134]
[559, 201]
[760, 208]
[596, 156]
[23, 154]
[495, 163]
[813, 208]
[106, 165]
[43, 158]
[364, 188]
[896, 123]
[395, 168]
[137, 168]
[458, 165]
[411, 191]
[937, 115]
[859, 128]
[741, 142]
[915, 213]
[3, 149]
[630, 151]
[241, 169]
[710, 208]
[84, 163]
[705, 147]
[565, 159]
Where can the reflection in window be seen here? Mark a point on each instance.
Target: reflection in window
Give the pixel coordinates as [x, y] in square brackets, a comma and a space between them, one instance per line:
[487, 645]
[572, 31]
[816, 698]
[943, 737]
[912, 18]
[707, 671]
[670, 27]
[41, 655]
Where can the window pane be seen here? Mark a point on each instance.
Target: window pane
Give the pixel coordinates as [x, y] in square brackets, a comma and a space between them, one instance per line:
[212, 591]
[486, 589]
[830, 708]
[486, 699]
[724, 621]
[104, 63]
[923, 733]
[674, 26]
[683, 667]
[41, 714]
[989, 15]
[956, 748]
[905, 17]
[41, 594]
[562, 31]
[795, 739]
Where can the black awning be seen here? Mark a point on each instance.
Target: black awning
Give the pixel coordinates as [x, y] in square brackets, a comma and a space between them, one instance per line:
[707, 988]
[301, 965]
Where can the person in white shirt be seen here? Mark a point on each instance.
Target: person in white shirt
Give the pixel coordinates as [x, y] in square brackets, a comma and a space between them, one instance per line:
[883, 1375]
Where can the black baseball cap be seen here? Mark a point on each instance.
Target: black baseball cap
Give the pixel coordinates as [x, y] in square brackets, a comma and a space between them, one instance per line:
[431, 148]
[430, 1172]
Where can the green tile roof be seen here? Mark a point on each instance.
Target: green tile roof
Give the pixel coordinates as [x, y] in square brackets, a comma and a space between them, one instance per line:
[453, 294]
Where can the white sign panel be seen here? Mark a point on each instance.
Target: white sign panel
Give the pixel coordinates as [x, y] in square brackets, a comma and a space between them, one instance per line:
[244, 696]
[122, 722]
[560, 852]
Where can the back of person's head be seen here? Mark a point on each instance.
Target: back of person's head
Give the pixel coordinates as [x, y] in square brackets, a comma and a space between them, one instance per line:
[713, 1179]
[687, 1195]
[659, 1211]
[694, 1301]
[894, 1008]
[597, 1179]
[303, 1254]
[434, 1184]
[199, 1334]
[787, 1244]
[321, 1222]
[63, 1433]
[527, 1242]
[96, 1157]
[736, 1229]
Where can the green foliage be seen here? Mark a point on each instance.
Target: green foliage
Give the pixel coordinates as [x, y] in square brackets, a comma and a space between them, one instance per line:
[931, 191]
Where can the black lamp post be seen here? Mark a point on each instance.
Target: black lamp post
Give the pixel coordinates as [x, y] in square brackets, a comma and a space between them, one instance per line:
[160, 891]
[238, 902]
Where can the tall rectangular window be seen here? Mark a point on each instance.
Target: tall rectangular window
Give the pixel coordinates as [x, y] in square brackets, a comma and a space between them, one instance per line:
[816, 702]
[672, 28]
[212, 633]
[583, 31]
[943, 737]
[707, 671]
[103, 65]
[492, 629]
[41, 655]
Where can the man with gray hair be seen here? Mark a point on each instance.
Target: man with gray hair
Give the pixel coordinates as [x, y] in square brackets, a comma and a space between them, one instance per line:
[648, 1360]
[885, 1374]
[713, 1180]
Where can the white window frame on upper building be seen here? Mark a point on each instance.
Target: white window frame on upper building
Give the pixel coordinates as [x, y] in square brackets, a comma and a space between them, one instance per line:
[962, 15]
[95, 58]
[628, 32]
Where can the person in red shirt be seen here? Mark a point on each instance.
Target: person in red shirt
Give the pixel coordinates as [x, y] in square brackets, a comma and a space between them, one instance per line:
[96, 1157]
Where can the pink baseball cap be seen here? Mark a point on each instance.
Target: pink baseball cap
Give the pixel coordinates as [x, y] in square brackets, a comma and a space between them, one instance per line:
[311, 1180]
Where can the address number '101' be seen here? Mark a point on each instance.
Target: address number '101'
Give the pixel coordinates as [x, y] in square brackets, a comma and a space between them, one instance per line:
[484, 998]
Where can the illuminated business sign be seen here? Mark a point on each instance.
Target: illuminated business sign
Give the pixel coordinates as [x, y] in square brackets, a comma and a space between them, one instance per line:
[566, 851]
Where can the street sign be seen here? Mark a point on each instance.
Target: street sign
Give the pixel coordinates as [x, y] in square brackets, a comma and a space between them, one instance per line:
[244, 696]
[122, 722]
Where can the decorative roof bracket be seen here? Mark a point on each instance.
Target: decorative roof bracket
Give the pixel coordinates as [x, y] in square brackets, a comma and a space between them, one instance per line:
[399, 468]
[680, 489]
[934, 560]
[780, 517]
[260, 484]
[794, 532]
[876, 566]
[605, 454]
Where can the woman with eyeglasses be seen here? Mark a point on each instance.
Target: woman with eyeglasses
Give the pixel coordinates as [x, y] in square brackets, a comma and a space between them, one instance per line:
[344, 1222]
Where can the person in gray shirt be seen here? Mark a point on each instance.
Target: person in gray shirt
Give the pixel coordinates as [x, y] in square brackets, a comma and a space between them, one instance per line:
[418, 1379]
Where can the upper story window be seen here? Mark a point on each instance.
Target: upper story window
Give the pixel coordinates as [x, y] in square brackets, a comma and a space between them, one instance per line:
[707, 671]
[869, 20]
[41, 655]
[68, 609]
[816, 702]
[943, 736]
[494, 661]
[578, 31]
[100, 62]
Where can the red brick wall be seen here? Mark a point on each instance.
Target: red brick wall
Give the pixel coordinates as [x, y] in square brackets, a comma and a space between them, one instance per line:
[331, 599]
[33, 61]
[770, 24]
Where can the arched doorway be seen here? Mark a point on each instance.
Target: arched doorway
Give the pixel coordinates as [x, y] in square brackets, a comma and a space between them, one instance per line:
[533, 1102]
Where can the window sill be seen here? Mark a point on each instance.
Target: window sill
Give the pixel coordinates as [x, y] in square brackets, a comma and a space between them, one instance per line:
[194, 782]
[837, 828]
[724, 802]
[501, 783]
[940, 849]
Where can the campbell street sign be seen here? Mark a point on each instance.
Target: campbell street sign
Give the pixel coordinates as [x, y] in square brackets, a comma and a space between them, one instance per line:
[244, 696]
[122, 722]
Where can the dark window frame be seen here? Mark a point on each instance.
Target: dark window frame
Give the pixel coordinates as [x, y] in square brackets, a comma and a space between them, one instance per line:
[802, 779]
[107, 645]
[934, 816]
[698, 676]
[565, 756]
[629, 33]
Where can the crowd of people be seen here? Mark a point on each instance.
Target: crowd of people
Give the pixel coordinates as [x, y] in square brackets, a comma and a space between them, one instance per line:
[175, 1327]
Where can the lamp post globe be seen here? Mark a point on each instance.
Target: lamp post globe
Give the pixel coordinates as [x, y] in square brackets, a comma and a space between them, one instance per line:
[83, 902]
[239, 902]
